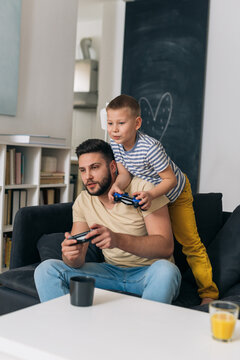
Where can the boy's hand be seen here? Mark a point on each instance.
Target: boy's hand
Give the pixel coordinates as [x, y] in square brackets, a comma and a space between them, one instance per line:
[145, 197]
[114, 188]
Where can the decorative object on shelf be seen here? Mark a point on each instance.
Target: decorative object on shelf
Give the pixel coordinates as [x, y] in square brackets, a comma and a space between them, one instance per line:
[85, 78]
[49, 164]
[33, 139]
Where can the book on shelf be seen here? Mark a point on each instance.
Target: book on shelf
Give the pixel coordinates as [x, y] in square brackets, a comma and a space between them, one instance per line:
[23, 198]
[41, 198]
[7, 174]
[33, 139]
[7, 249]
[52, 178]
[15, 203]
[5, 210]
[9, 207]
[49, 196]
[12, 165]
[53, 174]
[22, 169]
[18, 166]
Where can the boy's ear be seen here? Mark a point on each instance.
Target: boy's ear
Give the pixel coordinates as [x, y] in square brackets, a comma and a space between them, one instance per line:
[138, 122]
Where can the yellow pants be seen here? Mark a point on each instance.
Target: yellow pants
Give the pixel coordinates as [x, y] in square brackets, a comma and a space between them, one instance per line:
[185, 231]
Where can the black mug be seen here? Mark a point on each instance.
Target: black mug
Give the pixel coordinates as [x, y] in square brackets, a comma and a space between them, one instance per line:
[82, 290]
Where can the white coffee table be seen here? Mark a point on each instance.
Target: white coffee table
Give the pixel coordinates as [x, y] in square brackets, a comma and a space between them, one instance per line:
[116, 327]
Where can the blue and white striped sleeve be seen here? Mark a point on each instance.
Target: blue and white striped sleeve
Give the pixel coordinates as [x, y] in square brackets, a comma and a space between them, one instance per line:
[157, 158]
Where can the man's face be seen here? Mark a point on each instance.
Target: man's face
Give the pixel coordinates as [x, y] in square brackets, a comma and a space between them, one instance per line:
[96, 173]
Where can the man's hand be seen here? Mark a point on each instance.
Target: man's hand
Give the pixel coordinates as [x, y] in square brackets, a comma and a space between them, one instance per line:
[104, 237]
[73, 253]
[114, 188]
[145, 197]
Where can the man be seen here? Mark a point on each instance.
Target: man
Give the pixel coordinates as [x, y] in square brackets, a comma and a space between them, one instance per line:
[137, 245]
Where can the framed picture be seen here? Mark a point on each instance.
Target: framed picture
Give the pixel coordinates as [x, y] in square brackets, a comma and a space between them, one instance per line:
[10, 19]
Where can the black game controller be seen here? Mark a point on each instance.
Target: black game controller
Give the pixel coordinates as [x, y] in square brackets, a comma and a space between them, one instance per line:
[81, 238]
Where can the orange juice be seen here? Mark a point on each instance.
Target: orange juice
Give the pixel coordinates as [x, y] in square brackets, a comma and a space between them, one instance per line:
[222, 325]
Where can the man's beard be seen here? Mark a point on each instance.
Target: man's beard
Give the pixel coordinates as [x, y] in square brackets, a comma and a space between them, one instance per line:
[104, 185]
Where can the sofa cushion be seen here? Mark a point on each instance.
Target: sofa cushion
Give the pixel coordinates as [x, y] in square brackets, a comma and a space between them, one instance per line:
[224, 254]
[234, 290]
[208, 213]
[49, 247]
[20, 279]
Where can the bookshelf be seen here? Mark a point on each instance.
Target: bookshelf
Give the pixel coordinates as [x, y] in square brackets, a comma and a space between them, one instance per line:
[20, 184]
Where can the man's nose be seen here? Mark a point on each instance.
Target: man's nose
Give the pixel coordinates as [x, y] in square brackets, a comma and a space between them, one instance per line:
[88, 174]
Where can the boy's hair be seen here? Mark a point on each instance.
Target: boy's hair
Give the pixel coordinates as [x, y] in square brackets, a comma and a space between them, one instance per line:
[95, 145]
[123, 101]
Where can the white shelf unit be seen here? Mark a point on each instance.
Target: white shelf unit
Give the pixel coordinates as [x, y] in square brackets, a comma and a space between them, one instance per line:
[32, 168]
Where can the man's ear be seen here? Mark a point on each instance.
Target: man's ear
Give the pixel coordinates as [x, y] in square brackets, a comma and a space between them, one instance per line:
[138, 122]
[113, 166]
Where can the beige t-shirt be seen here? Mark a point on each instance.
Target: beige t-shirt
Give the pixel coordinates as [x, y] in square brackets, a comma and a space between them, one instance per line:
[122, 218]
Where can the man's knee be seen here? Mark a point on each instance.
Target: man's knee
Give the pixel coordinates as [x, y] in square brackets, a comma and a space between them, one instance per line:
[162, 282]
[164, 270]
[46, 267]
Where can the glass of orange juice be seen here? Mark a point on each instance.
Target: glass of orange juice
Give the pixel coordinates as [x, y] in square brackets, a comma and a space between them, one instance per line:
[223, 316]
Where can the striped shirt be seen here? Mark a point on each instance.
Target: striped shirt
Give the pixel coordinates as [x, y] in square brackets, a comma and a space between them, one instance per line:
[146, 159]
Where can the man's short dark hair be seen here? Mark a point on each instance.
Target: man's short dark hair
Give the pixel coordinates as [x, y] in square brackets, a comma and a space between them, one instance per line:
[123, 101]
[95, 146]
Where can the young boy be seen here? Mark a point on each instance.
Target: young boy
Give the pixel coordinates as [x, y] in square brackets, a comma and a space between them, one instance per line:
[141, 155]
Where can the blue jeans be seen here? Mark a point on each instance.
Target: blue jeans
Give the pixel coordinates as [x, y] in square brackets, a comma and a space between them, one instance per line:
[159, 281]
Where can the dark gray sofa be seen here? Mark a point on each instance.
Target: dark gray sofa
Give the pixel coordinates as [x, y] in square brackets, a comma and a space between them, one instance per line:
[39, 230]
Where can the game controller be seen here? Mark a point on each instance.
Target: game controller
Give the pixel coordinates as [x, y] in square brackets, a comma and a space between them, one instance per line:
[126, 199]
[81, 238]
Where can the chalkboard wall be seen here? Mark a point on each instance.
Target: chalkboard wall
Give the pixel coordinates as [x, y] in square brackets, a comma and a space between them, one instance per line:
[164, 69]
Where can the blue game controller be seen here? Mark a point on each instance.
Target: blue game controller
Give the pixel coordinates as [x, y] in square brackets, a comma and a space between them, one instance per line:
[126, 199]
[81, 238]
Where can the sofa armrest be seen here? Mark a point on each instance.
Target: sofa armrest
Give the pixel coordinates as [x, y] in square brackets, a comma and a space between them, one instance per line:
[30, 224]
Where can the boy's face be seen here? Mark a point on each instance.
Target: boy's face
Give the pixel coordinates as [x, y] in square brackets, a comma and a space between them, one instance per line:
[122, 126]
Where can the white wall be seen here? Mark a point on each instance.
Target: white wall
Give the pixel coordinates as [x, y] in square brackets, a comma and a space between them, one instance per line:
[89, 25]
[104, 23]
[220, 157]
[110, 72]
[47, 52]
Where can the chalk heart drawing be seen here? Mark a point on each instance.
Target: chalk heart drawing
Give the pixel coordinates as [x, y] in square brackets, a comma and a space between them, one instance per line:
[159, 120]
